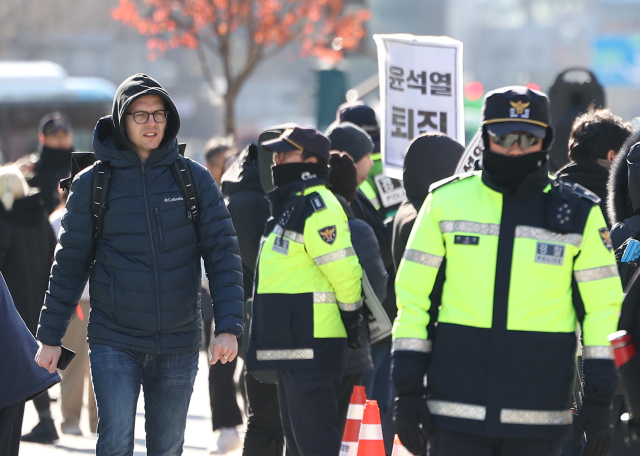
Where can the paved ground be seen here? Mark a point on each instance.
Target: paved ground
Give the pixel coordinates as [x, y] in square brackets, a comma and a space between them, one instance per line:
[199, 438]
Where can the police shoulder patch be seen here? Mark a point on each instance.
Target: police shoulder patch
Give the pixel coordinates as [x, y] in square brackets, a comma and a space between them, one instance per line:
[328, 234]
[606, 238]
[450, 180]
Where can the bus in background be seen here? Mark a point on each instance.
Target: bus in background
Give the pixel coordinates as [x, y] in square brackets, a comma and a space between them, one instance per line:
[29, 90]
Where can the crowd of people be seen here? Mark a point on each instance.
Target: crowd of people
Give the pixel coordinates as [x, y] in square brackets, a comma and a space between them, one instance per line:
[495, 280]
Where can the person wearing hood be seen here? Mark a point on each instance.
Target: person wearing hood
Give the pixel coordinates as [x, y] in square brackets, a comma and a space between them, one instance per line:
[52, 161]
[596, 137]
[21, 378]
[362, 115]
[430, 158]
[307, 305]
[623, 192]
[144, 274]
[249, 207]
[343, 183]
[355, 141]
[27, 243]
[526, 260]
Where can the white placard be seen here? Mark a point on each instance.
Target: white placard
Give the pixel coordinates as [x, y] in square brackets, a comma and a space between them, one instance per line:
[420, 92]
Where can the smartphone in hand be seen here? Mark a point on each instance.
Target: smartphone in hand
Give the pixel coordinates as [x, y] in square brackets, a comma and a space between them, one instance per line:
[65, 357]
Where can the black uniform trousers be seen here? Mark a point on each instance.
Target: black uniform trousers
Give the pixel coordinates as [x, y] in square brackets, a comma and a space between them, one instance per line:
[264, 435]
[450, 443]
[11, 428]
[309, 409]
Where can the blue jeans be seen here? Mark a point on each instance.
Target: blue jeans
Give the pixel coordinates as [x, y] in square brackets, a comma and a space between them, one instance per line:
[167, 384]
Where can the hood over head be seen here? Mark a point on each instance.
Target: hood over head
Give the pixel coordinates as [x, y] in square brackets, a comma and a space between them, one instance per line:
[243, 174]
[132, 88]
[430, 157]
[619, 206]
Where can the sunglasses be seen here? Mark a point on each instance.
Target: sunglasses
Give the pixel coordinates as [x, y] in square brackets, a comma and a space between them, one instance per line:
[526, 140]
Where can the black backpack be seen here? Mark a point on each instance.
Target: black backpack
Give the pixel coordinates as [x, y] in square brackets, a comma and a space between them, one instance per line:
[101, 178]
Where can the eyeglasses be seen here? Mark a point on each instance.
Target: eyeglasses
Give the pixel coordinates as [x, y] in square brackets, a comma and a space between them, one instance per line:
[142, 117]
[526, 140]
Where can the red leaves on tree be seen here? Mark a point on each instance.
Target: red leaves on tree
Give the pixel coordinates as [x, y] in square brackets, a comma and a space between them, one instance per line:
[319, 24]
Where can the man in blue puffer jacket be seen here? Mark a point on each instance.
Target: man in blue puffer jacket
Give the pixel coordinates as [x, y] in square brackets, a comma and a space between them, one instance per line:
[144, 275]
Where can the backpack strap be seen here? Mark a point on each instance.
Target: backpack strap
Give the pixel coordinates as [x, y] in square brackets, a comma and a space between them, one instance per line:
[100, 180]
[184, 179]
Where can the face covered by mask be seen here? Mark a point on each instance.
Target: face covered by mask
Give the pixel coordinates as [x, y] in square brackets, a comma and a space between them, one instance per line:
[55, 158]
[510, 171]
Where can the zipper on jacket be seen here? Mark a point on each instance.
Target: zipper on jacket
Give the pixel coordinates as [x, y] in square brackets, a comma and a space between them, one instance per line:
[153, 253]
[159, 226]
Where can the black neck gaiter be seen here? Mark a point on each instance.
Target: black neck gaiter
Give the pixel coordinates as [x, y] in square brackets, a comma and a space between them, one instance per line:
[291, 172]
[55, 158]
[510, 172]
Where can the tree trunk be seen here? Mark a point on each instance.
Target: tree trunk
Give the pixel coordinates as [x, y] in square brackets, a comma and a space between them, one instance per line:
[230, 114]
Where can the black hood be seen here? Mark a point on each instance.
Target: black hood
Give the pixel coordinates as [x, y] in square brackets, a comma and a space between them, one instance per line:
[430, 158]
[619, 205]
[132, 88]
[109, 138]
[244, 174]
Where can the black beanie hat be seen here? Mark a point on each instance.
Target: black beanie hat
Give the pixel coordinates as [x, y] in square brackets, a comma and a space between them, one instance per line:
[430, 157]
[342, 176]
[349, 138]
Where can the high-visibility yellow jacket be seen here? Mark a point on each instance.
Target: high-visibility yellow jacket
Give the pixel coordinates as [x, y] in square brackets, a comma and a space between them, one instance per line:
[507, 293]
[307, 274]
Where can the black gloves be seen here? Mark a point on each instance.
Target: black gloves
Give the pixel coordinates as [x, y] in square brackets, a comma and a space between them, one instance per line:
[412, 422]
[594, 420]
[351, 321]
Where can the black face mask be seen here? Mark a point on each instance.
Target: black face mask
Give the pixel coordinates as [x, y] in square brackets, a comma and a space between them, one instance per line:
[510, 172]
[55, 158]
[291, 172]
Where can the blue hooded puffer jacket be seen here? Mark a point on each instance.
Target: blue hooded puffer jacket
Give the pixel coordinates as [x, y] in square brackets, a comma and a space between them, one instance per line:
[144, 283]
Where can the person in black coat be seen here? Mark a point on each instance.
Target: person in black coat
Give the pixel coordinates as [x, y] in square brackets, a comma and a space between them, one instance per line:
[355, 141]
[20, 377]
[52, 161]
[343, 183]
[623, 212]
[596, 137]
[27, 243]
[623, 188]
[249, 208]
[430, 157]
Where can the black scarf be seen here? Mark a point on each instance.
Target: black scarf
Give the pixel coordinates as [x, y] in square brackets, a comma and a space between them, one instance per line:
[510, 172]
[54, 159]
[291, 172]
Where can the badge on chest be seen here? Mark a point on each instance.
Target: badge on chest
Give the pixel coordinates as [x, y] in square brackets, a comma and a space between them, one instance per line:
[280, 245]
[550, 253]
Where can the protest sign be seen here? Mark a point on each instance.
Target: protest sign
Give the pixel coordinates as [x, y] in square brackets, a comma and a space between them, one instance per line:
[420, 92]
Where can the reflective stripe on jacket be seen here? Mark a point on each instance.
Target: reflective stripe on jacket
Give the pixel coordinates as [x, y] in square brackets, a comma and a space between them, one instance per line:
[306, 275]
[505, 292]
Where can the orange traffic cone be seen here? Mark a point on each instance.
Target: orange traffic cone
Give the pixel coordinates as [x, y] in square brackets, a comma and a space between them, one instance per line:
[349, 445]
[399, 449]
[371, 443]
